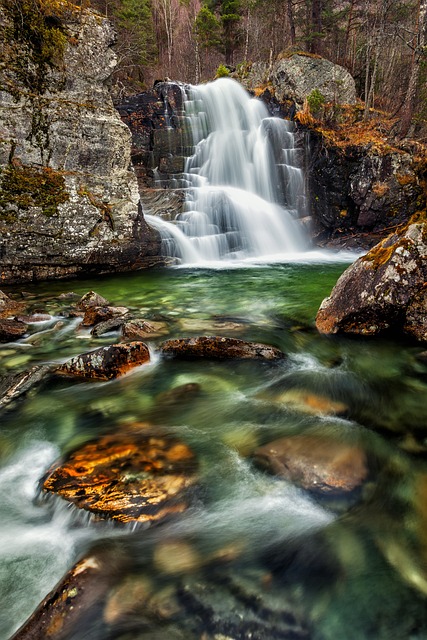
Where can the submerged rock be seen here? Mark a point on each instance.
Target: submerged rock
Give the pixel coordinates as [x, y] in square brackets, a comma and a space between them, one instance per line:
[15, 386]
[316, 463]
[221, 348]
[106, 363]
[68, 607]
[12, 330]
[178, 395]
[138, 476]
[385, 289]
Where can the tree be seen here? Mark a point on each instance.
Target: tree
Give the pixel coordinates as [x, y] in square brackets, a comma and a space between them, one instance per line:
[419, 54]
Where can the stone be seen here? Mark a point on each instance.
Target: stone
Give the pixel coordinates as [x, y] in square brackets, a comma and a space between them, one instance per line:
[139, 329]
[134, 476]
[311, 403]
[316, 463]
[17, 385]
[8, 306]
[91, 299]
[295, 76]
[94, 315]
[175, 557]
[178, 395]
[106, 363]
[221, 348]
[106, 326]
[83, 589]
[382, 290]
[12, 330]
[74, 208]
[35, 318]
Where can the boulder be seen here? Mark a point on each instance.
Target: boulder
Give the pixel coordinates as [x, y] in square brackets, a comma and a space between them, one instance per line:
[220, 348]
[93, 315]
[134, 476]
[106, 363]
[8, 306]
[385, 289]
[91, 299]
[107, 325]
[295, 76]
[316, 463]
[139, 329]
[69, 200]
[12, 330]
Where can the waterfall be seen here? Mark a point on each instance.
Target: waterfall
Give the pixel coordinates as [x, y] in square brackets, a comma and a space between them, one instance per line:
[244, 187]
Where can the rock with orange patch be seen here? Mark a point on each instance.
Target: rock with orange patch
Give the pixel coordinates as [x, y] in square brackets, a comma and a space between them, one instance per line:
[9, 306]
[311, 403]
[106, 363]
[385, 289]
[136, 476]
[220, 348]
[320, 464]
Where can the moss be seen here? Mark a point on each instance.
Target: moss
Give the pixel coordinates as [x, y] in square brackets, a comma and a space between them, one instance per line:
[25, 187]
[288, 53]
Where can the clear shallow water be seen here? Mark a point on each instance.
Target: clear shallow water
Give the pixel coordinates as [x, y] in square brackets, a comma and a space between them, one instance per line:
[353, 569]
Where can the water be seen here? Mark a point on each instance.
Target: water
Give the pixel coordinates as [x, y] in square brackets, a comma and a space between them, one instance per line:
[245, 185]
[252, 553]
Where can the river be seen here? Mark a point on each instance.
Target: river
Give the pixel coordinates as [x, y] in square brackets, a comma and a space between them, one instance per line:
[352, 568]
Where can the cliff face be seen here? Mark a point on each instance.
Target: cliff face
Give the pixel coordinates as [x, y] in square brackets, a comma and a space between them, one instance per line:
[68, 194]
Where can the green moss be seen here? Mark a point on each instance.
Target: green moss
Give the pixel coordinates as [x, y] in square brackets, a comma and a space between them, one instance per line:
[35, 39]
[26, 187]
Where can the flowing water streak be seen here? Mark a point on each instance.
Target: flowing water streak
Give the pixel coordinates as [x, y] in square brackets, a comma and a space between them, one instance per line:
[245, 188]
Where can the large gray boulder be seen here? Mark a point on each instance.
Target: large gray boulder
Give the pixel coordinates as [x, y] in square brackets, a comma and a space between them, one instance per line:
[383, 290]
[296, 76]
[69, 200]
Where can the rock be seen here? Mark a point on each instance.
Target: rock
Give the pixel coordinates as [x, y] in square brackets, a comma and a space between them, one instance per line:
[107, 325]
[355, 189]
[311, 403]
[91, 299]
[64, 611]
[178, 395]
[175, 557]
[139, 476]
[385, 289]
[69, 200]
[316, 463]
[139, 329]
[296, 76]
[94, 315]
[9, 306]
[11, 330]
[15, 386]
[220, 348]
[35, 318]
[106, 363]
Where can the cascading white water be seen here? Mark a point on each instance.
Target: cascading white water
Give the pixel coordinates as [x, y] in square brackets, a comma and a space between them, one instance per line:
[245, 188]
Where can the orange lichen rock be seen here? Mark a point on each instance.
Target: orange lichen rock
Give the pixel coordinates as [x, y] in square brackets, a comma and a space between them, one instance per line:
[136, 476]
[106, 363]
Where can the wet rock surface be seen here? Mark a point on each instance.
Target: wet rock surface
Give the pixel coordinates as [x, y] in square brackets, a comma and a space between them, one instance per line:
[139, 476]
[315, 463]
[140, 329]
[106, 363]
[17, 385]
[221, 348]
[9, 307]
[94, 315]
[11, 330]
[383, 290]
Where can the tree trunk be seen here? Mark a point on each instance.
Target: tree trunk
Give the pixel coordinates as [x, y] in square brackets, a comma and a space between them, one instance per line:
[291, 21]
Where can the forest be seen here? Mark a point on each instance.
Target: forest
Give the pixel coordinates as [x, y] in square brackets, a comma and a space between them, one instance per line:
[381, 42]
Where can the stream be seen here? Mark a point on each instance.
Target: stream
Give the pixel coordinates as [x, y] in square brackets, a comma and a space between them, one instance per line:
[260, 556]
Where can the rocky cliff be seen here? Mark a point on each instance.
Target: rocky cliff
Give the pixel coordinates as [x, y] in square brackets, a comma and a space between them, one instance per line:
[69, 200]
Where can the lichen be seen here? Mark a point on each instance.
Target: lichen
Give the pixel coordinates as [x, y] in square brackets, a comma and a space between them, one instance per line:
[22, 187]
